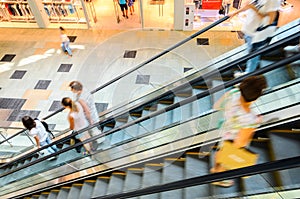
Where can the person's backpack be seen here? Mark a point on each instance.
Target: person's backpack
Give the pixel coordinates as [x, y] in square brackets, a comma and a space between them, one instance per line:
[46, 127]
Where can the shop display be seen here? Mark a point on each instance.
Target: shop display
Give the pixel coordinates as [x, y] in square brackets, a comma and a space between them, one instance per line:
[211, 4]
[68, 11]
[64, 10]
[15, 11]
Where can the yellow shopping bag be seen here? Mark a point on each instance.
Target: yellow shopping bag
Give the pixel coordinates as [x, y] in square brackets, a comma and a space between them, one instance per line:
[232, 157]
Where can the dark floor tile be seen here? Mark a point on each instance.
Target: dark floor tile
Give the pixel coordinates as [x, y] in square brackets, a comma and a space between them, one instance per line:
[202, 41]
[17, 115]
[142, 79]
[72, 38]
[11, 103]
[64, 68]
[18, 74]
[130, 53]
[186, 69]
[8, 57]
[101, 107]
[42, 84]
[56, 105]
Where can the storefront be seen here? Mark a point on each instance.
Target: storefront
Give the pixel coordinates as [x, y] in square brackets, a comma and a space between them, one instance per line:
[85, 14]
[106, 14]
[44, 13]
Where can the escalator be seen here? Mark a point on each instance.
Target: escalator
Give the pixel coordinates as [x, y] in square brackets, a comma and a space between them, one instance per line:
[259, 146]
[192, 163]
[140, 134]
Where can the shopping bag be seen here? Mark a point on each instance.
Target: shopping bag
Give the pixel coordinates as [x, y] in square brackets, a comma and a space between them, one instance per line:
[232, 157]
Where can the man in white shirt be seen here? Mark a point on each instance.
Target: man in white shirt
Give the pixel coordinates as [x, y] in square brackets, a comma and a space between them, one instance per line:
[259, 26]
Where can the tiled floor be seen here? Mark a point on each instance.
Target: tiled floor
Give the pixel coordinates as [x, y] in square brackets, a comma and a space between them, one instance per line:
[36, 79]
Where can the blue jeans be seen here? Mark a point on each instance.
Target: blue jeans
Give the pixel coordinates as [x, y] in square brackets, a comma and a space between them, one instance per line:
[65, 47]
[51, 149]
[252, 63]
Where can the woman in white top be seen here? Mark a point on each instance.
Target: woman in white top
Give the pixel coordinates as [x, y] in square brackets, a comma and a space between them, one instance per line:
[38, 131]
[77, 120]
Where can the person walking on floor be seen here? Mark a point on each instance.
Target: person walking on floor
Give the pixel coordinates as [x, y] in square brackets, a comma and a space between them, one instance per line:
[124, 8]
[38, 131]
[65, 42]
[131, 6]
[227, 4]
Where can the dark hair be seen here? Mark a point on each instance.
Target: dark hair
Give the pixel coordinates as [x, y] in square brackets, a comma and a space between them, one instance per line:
[76, 85]
[28, 122]
[61, 28]
[252, 87]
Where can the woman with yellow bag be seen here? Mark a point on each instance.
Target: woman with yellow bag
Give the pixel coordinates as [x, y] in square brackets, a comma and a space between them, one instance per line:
[239, 124]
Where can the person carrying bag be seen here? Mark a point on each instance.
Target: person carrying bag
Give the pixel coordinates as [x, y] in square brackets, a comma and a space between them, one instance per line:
[238, 127]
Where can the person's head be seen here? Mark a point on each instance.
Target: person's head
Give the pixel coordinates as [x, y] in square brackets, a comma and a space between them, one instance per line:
[28, 122]
[69, 104]
[75, 86]
[252, 87]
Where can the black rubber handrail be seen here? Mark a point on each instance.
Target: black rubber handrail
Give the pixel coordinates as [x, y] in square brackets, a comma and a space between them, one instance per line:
[144, 63]
[140, 65]
[217, 62]
[203, 94]
[272, 166]
[154, 58]
[171, 107]
[207, 75]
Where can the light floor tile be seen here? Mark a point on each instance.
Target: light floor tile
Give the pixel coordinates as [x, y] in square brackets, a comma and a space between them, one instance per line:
[37, 94]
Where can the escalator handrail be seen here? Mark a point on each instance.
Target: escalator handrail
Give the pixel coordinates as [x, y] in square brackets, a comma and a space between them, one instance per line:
[171, 107]
[203, 94]
[272, 166]
[150, 60]
[207, 75]
[209, 65]
[140, 65]
[267, 49]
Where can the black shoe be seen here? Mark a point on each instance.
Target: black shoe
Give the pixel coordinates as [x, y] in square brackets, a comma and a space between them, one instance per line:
[78, 149]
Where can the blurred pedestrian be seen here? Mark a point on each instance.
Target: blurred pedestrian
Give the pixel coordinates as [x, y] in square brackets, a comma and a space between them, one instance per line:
[131, 6]
[227, 4]
[38, 131]
[240, 121]
[65, 42]
[124, 8]
[86, 100]
[258, 27]
[77, 121]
